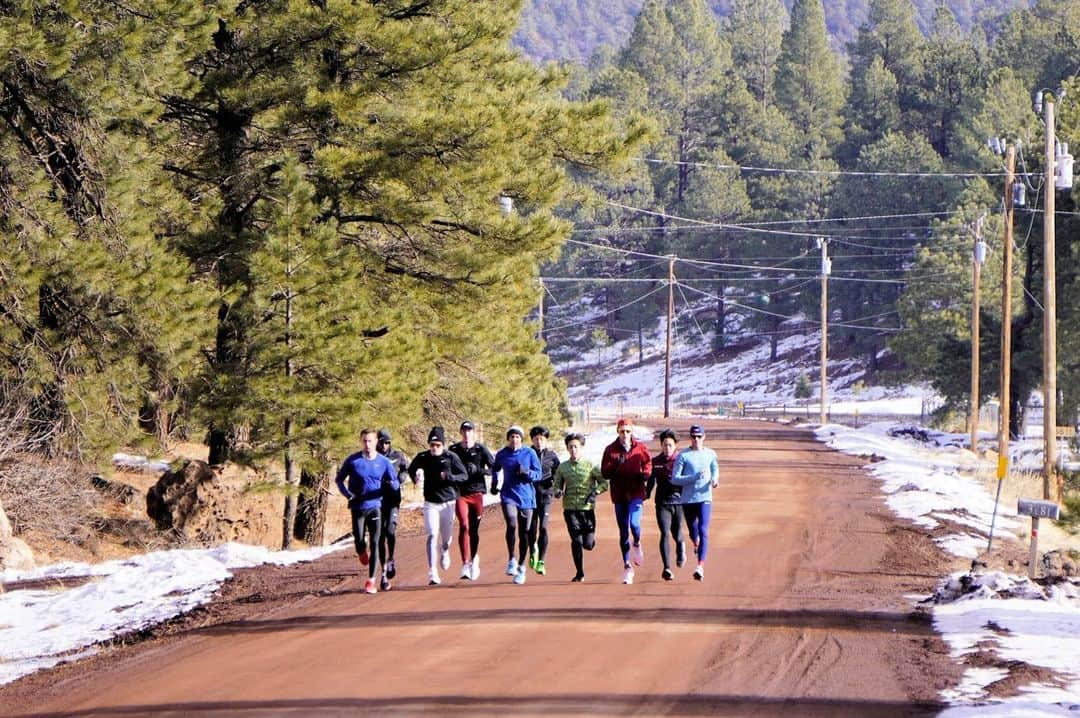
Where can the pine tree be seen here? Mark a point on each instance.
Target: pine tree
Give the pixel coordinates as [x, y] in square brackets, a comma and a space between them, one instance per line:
[952, 70]
[100, 326]
[756, 29]
[808, 82]
[810, 93]
[410, 122]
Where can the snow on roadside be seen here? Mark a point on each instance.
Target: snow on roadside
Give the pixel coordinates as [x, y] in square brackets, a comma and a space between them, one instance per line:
[41, 628]
[926, 480]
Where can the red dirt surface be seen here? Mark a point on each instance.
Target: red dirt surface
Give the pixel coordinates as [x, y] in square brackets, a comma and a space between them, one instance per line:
[805, 611]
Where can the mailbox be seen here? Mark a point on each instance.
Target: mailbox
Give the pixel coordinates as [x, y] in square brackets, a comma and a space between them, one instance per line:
[1037, 509]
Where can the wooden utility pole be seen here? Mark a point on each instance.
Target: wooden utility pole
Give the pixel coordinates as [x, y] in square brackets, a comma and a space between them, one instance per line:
[670, 330]
[977, 258]
[1049, 308]
[824, 329]
[1006, 335]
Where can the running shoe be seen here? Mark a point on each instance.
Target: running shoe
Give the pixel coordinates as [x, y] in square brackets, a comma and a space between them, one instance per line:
[667, 575]
[540, 568]
[475, 568]
[466, 571]
[445, 559]
[365, 558]
[578, 578]
[638, 554]
[680, 553]
[391, 568]
[433, 578]
[511, 567]
[628, 575]
[519, 577]
[384, 584]
[532, 560]
[369, 585]
[699, 573]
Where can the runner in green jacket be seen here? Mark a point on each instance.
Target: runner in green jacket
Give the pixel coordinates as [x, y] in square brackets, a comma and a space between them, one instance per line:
[578, 482]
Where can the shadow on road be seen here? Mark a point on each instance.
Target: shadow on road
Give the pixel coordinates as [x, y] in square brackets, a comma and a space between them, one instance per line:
[603, 704]
[886, 622]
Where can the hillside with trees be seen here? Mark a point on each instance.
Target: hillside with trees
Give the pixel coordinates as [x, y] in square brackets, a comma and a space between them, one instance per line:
[574, 29]
[763, 146]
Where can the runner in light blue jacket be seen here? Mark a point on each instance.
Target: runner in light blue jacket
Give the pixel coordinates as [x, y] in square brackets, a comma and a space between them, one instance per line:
[697, 472]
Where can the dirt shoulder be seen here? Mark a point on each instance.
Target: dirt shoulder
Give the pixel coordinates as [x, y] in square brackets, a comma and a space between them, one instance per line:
[804, 611]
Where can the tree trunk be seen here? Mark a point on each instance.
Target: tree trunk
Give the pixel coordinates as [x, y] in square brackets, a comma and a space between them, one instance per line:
[292, 483]
[311, 511]
[721, 317]
[774, 339]
[640, 342]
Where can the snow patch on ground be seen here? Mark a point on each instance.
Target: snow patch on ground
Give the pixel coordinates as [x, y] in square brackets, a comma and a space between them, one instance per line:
[41, 628]
[926, 479]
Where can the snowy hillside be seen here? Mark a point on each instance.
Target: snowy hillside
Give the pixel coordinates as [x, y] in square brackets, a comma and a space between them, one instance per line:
[612, 377]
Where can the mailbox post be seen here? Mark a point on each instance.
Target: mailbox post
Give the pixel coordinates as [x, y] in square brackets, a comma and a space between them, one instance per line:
[1036, 510]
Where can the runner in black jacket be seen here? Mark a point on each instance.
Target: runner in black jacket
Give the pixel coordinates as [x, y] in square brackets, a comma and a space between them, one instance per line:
[443, 473]
[391, 505]
[669, 515]
[545, 495]
[478, 461]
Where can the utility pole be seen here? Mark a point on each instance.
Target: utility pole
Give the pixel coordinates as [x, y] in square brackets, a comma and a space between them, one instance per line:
[977, 259]
[1006, 335]
[670, 330]
[826, 268]
[1049, 306]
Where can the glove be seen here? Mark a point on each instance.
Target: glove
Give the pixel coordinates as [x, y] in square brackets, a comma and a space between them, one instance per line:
[495, 489]
[591, 497]
[470, 468]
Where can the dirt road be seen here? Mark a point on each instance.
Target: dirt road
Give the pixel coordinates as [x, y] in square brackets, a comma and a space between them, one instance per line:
[802, 613]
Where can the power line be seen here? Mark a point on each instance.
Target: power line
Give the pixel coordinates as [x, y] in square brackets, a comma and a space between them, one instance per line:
[834, 173]
[604, 314]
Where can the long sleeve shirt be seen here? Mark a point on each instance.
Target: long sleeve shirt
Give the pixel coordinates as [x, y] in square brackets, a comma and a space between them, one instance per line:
[579, 481]
[696, 470]
[667, 493]
[478, 461]
[549, 462]
[442, 475]
[626, 469]
[361, 480]
[392, 491]
[520, 469]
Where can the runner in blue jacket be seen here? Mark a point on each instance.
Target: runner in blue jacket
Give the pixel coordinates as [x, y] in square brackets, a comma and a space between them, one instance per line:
[520, 468]
[697, 472]
[362, 479]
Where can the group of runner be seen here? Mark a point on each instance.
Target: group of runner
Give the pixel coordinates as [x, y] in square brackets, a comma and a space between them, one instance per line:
[456, 477]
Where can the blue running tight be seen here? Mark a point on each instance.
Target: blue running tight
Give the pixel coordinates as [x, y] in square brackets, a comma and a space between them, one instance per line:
[628, 516]
[697, 521]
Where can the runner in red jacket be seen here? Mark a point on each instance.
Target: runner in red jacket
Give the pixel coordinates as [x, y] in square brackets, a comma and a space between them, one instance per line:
[626, 464]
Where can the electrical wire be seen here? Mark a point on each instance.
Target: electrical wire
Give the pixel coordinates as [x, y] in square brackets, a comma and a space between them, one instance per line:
[834, 173]
[604, 314]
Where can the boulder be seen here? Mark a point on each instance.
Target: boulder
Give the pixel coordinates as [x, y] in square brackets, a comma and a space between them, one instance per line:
[14, 553]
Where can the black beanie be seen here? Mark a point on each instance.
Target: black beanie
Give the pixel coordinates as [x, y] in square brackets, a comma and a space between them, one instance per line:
[384, 435]
[436, 434]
